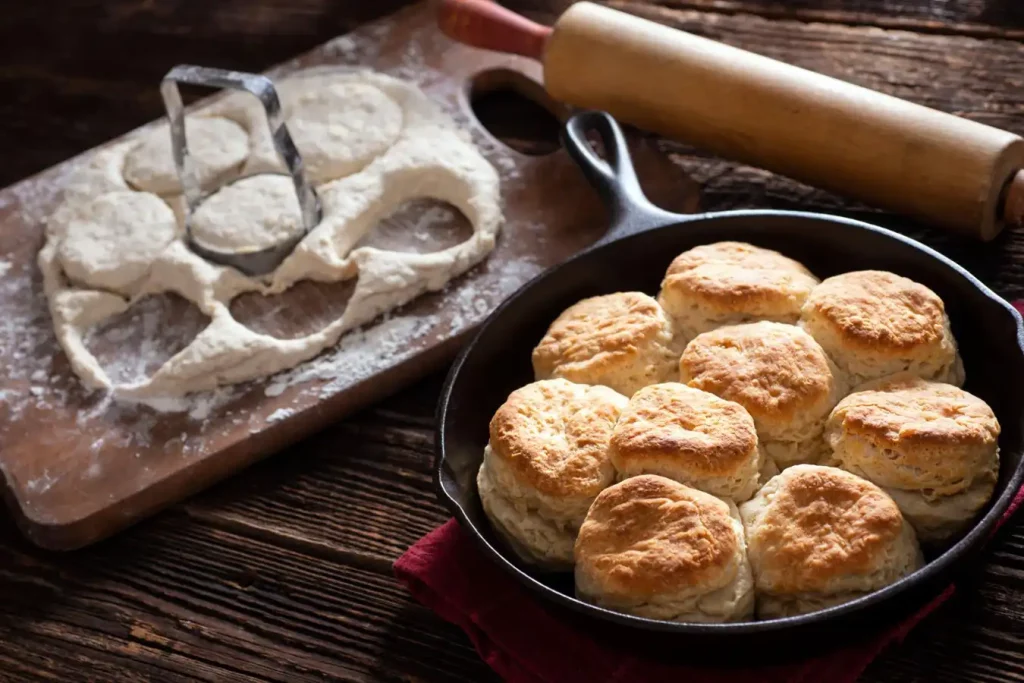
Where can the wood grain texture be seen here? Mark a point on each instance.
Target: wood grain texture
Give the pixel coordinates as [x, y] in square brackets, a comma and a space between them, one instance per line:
[362, 490]
[283, 572]
[983, 18]
[185, 601]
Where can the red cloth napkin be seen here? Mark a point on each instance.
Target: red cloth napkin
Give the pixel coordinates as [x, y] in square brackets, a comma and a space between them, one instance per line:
[525, 643]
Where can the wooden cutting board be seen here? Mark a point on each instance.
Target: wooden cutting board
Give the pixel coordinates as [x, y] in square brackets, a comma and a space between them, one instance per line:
[78, 466]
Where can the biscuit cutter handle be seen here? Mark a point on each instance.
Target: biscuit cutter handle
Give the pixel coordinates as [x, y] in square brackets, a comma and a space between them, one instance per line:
[614, 177]
[252, 262]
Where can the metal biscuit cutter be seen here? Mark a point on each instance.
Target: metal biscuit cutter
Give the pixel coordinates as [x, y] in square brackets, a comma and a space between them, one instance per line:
[251, 261]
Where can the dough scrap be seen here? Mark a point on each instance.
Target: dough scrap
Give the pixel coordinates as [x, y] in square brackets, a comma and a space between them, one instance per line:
[250, 214]
[381, 162]
[217, 147]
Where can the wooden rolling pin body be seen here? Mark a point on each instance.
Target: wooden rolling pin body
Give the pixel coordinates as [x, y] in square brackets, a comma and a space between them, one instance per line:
[816, 129]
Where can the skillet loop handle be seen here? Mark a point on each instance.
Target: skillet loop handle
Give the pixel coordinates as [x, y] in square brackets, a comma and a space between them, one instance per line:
[615, 179]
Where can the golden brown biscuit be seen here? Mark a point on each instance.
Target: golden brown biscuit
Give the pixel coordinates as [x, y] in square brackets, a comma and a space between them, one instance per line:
[622, 340]
[690, 436]
[873, 323]
[546, 460]
[658, 549]
[732, 282]
[779, 374]
[933, 447]
[819, 536]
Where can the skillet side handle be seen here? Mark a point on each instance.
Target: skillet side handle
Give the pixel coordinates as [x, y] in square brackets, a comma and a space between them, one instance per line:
[615, 179]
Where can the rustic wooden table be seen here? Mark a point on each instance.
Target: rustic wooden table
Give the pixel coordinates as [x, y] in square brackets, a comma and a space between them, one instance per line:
[284, 573]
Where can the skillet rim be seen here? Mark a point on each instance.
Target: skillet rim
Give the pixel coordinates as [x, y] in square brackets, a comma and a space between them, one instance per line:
[945, 563]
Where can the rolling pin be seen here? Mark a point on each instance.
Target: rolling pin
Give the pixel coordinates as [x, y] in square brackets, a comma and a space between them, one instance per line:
[958, 174]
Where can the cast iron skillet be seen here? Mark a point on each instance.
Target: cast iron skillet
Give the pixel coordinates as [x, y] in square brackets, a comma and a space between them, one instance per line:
[633, 255]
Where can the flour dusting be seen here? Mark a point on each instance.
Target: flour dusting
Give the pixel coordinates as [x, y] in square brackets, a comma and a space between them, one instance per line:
[25, 329]
[280, 414]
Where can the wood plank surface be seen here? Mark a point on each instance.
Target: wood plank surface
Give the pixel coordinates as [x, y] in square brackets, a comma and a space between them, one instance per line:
[982, 18]
[215, 606]
[283, 572]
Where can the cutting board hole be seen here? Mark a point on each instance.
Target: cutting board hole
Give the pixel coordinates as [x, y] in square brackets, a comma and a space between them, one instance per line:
[516, 110]
[420, 226]
[132, 345]
[304, 309]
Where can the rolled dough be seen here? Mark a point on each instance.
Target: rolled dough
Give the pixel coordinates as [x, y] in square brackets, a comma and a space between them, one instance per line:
[217, 147]
[378, 141]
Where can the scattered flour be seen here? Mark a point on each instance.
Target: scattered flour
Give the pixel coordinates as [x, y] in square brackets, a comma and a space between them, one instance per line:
[4, 267]
[357, 356]
[42, 484]
[280, 414]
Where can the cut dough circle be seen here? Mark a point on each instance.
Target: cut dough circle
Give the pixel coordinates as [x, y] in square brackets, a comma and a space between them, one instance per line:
[342, 127]
[218, 146]
[114, 239]
[253, 213]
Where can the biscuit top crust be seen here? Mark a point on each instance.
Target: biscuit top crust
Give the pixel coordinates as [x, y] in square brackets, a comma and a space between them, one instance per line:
[776, 371]
[879, 311]
[740, 276]
[712, 436]
[820, 525]
[599, 333]
[648, 536]
[919, 434]
[553, 435]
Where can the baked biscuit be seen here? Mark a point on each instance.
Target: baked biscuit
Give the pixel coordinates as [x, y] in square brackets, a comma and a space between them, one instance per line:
[819, 536]
[690, 436]
[622, 340]
[732, 282]
[546, 460]
[658, 549]
[779, 374]
[874, 323]
[932, 447]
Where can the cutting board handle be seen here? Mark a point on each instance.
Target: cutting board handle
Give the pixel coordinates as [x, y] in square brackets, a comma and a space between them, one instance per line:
[614, 177]
[488, 25]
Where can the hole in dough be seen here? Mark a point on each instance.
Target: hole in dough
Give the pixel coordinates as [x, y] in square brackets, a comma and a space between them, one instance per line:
[516, 111]
[218, 148]
[112, 241]
[304, 309]
[420, 226]
[132, 345]
[340, 127]
[254, 213]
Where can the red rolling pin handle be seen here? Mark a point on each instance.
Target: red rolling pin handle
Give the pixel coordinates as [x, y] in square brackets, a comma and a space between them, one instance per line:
[488, 25]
